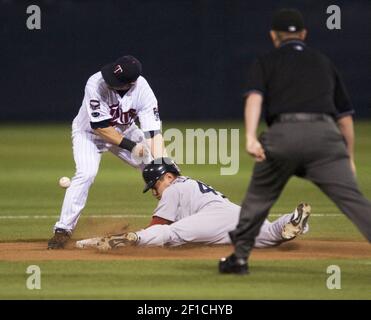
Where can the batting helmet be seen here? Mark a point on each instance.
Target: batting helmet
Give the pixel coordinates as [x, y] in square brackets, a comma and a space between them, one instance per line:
[154, 171]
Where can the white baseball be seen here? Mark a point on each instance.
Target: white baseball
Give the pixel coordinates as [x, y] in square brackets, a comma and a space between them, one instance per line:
[64, 182]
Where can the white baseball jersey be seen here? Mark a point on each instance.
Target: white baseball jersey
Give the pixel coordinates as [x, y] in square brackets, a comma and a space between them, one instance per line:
[101, 103]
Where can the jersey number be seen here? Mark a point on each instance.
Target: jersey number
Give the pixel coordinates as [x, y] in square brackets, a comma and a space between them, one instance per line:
[204, 188]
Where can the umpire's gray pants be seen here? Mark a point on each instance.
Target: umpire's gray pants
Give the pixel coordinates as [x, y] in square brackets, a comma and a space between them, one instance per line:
[312, 150]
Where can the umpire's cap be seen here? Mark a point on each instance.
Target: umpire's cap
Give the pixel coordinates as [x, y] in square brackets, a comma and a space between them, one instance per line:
[288, 20]
[154, 171]
[124, 70]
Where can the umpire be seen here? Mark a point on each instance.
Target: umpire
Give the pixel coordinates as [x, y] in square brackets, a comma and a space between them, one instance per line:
[310, 135]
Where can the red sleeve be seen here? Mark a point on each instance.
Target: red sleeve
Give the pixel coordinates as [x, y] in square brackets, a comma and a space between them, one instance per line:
[158, 220]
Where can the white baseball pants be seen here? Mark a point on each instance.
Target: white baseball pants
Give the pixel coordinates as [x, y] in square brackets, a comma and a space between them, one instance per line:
[87, 153]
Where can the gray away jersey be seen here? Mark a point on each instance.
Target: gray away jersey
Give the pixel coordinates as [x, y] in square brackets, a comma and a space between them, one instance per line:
[186, 197]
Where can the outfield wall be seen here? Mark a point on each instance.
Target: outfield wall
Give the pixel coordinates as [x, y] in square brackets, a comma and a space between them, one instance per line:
[195, 53]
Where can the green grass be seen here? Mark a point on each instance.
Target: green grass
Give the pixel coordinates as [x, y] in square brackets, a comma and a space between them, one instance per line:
[34, 157]
[195, 279]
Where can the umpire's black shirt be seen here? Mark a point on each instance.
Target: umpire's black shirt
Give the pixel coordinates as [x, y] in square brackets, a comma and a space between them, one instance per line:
[295, 79]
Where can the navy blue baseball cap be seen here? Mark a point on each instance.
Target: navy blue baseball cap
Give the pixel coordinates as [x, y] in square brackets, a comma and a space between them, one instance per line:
[153, 171]
[288, 20]
[124, 70]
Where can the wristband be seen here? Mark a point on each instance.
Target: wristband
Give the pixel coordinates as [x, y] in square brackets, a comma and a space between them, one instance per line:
[127, 144]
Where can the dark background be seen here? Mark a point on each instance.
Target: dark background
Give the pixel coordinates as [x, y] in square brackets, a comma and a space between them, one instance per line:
[194, 53]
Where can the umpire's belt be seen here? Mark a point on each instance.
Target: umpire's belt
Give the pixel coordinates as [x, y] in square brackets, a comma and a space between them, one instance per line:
[303, 117]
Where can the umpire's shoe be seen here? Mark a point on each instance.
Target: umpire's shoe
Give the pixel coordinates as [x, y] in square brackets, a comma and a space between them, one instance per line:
[232, 264]
[59, 239]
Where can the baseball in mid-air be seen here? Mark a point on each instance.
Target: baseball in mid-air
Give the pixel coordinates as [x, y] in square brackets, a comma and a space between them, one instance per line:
[64, 182]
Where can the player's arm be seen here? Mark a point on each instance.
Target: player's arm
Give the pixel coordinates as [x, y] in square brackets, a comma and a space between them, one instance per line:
[346, 128]
[167, 208]
[109, 134]
[256, 86]
[149, 119]
[159, 220]
[345, 113]
[253, 109]
[156, 142]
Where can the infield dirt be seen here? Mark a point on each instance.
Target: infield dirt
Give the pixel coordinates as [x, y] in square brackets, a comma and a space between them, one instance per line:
[297, 250]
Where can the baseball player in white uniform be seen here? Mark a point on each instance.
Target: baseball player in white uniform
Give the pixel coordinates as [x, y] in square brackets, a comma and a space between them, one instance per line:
[190, 211]
[114, 98]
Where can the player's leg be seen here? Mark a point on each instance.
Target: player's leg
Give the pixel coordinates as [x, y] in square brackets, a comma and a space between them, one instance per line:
[210, 226]
[87, 158]
[135, 134]
[179, 233]
[266, 184]
[286, 227]
[331, 172]
[338, 182]
[158, 235]
[268, 180]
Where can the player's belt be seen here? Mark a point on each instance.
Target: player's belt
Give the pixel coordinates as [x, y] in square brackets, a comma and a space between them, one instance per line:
[303, 117]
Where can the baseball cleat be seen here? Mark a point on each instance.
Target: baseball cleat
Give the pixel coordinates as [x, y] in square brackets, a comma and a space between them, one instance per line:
[232, 264]
[117, 240]
[298, 222]
[59, 240]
